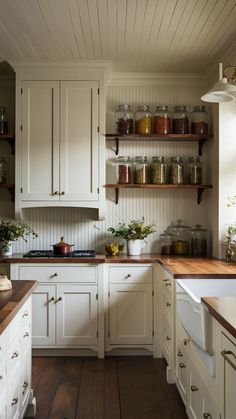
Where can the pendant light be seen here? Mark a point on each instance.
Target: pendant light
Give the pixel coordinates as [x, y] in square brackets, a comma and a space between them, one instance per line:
[222, 90]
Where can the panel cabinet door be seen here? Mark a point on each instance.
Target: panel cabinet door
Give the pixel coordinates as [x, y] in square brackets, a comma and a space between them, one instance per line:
[228, 360]
[40, 140]
[43, 315]
[79, 140]
[76, 315]
[130, 314]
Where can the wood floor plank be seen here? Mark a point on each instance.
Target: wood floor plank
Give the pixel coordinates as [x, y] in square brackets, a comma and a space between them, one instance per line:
[65, 402]
[37, 370]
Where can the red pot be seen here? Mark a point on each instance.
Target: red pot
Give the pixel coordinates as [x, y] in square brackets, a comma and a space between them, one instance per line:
[62, 248]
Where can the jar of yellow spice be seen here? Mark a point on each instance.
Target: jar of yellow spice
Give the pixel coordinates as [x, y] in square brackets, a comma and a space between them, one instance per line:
[143, 120]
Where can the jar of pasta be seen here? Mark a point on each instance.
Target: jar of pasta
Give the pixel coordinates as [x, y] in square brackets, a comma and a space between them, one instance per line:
[124, 119]
[158, 172]
[143, 120]
[141, 170]
[162, 120]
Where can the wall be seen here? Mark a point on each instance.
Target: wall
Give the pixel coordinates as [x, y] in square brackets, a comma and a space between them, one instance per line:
[78, 225]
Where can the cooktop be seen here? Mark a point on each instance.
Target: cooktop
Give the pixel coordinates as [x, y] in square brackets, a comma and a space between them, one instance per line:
[50, 254]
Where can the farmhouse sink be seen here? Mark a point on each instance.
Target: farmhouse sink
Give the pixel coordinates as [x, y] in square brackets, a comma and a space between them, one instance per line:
[193, 314]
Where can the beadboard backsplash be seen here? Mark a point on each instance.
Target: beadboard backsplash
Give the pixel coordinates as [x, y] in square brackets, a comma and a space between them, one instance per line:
[79, 226]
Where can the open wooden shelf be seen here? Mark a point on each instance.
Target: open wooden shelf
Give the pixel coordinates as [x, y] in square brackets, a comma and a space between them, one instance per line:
[117, 186]
[11, 189]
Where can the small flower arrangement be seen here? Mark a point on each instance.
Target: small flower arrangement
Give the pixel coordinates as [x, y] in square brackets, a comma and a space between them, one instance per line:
[134, 230]
[11, 231]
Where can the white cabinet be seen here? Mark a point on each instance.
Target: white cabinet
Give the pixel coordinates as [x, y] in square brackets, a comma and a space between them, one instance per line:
[67, 304]
[130, 306]
[228, 377]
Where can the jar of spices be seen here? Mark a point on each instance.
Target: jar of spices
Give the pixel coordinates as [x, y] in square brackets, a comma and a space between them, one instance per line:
[3, 170]
[3, 120]
[194, 171]
[158, 172]
[143, 120]
[199, 118]
[176, 170]
[124, 118]
[123, 169]
[167, 240]
[180, 120]
[141, 170]
[198, 241]
[162, 120]
[181, 238]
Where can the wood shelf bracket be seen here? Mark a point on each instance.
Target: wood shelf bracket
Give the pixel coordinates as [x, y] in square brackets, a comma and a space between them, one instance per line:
[199, 195]
[200, 145]
[116, 196]
[11, 191]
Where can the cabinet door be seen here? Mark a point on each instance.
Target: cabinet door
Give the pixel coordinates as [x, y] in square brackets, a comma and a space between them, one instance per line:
[195, 394]
[130, 314]
[229, 377]
[43, 315]
[79, 140]
[76, 315]
[182, 371]
[40, 140]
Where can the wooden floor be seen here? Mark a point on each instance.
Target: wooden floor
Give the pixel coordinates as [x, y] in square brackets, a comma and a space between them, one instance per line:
[111, 388]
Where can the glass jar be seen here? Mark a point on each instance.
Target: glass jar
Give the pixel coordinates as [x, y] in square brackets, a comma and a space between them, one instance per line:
[162, 120]
[158, 172]
[123, 169]
[181, 238]
[198, 242]
[194, 171]
[124, 119]
[176, 170]
[199, 118]
[141, 170]
[180, 120]
[3, 170]
[143, 120]
[167, 240]
[3, 121]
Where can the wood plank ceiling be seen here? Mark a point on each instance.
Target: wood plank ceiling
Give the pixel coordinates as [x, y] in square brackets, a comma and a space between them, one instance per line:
[167, 36]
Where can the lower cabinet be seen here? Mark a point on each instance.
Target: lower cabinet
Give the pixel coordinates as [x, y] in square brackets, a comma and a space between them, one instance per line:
[227, 359]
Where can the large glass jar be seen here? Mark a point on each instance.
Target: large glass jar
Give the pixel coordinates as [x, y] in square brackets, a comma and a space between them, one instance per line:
[158, 172]
[167, 240]
[123, 169]
[141, 170]
[194, 171]
[3, 170]
[124, 119]
[3, 121]
[198, 242]
[181, 238]
[143, 120]
[180, 120]
[199, 120]
[176, 170]
[162, 120]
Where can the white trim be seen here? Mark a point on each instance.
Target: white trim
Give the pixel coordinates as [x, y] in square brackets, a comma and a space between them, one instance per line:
[154, 79]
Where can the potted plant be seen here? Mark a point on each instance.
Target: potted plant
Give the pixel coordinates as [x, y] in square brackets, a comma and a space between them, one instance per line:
[134, 233]
[11, 231]
[231, 232]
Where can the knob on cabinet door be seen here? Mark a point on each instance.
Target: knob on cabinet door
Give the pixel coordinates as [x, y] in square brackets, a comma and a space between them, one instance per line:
[194, 388]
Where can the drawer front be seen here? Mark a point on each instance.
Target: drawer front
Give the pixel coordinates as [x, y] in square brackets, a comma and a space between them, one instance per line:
[130, 274]
[59, 273]
[3, 374]
[166, 339]
[14, 358]
[23, 316]
[3, 344]
[167, 305]
[13, 403]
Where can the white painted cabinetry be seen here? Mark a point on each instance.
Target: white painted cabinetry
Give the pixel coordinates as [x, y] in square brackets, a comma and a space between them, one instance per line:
[227, 359]
[67, 304]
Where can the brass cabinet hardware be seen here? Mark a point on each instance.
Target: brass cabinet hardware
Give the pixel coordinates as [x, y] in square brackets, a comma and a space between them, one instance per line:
[14, 401]
[225, 354]
[185, 341]
[165, 280]
[55, 274]
[26, 313]
[168, 304]
[128, 276]
[207, 416]
[25, 385]
[194, 388]
[1, 377]
[168, 284]
[26, 335]
[179, 353]
[51, 299]
[15, 355]
[58, 299]
[55, 193]
[168, 338]
[62, 193]
[182, 365]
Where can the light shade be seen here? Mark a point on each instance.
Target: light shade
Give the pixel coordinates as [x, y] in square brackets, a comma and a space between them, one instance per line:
[221, 91]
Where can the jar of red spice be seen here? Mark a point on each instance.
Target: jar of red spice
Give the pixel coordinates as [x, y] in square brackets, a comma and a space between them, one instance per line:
[180, 120]
[162, 120]
[123, 169]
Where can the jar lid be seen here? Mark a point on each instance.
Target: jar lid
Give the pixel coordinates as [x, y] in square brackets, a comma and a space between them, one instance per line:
[167, 233]
[124, 107]
[178, 226]
[158, 158]
[162, 108]
[123, 158]
[199, 108]
[180, 108]
[198, 227]
[141, 158]
[177, 159]
[143, 108]
[194, 159]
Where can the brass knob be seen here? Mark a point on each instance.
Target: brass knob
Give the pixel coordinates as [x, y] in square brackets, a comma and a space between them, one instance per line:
[62, 193]
[207, 416]
[52, 299]
[128, 276]
[26, 313]
[179, 353]
[26, 335]
[56, 274]
[59, 299]
[1, 377]
[55, 193]
[14, 401]
[194, 388]
[168, 338]
[165, 280]
[15, 355]
[168, 284]
[185, 341]
[25, 385]
[168, 305]
[181, 365]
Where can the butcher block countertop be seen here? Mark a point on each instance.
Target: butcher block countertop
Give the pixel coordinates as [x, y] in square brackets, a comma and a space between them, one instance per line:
[223, 309]
[12, 300]
[18, 258]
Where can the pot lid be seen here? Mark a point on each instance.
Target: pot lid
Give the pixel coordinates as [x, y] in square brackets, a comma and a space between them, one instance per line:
[62, 243]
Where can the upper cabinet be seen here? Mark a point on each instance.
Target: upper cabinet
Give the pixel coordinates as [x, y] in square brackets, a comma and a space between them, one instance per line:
[60, 160]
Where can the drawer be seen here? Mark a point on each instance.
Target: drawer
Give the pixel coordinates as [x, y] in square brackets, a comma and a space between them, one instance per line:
[59, 273]
[13, 361]
[13, 402]
[166, 338]
[3, 374]
[3, 404]
[3, 344]
[26, 335]
[23, 316]
[130, 274]
[3, 269]
[167, 305]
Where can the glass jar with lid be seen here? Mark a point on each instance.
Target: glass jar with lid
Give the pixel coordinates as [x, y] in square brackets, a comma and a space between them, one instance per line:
[176, 170]
[194, 171]
[158, 170]
[167, 240]
[198, 241]
[3, 170]
[3, 120]
[123, 169]
[162, 120]
[143, 120]
[199, 120]
[181, 238]
[141, 170]
[124, 119]
[180, 120]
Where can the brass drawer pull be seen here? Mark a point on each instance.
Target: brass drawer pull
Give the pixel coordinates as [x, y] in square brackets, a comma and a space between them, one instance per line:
[194, 388]
[128, 276]
[207, 416]
[181, 365]
[62, 193]
[55, 193]
[168, 284]
[1, 377]
[224, 353]
[186, 341]
[168, 305]
[26, 313]
[51, 299]
[58, 299]
[55, 274]
[25, 385]
[14, 401]
[15, 355]
[168, 338]
[26, 335]
[179, 353]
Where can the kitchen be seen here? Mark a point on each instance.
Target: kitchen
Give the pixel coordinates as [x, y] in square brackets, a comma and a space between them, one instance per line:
[157, 55]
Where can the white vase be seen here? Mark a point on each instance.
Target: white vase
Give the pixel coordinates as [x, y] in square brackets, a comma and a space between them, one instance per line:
[6, 252]
[134, 247]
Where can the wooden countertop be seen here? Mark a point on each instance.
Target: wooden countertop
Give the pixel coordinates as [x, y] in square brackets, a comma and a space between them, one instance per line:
[18, 258]
[223, 309]
[12, 300]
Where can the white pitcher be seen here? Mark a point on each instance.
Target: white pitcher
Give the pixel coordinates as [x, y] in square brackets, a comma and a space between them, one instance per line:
[134, 247]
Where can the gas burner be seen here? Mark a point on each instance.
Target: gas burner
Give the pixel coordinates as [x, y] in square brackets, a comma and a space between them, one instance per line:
[50, 254]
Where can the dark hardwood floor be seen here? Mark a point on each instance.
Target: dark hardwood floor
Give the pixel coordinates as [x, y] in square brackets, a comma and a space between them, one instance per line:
[110, 388]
